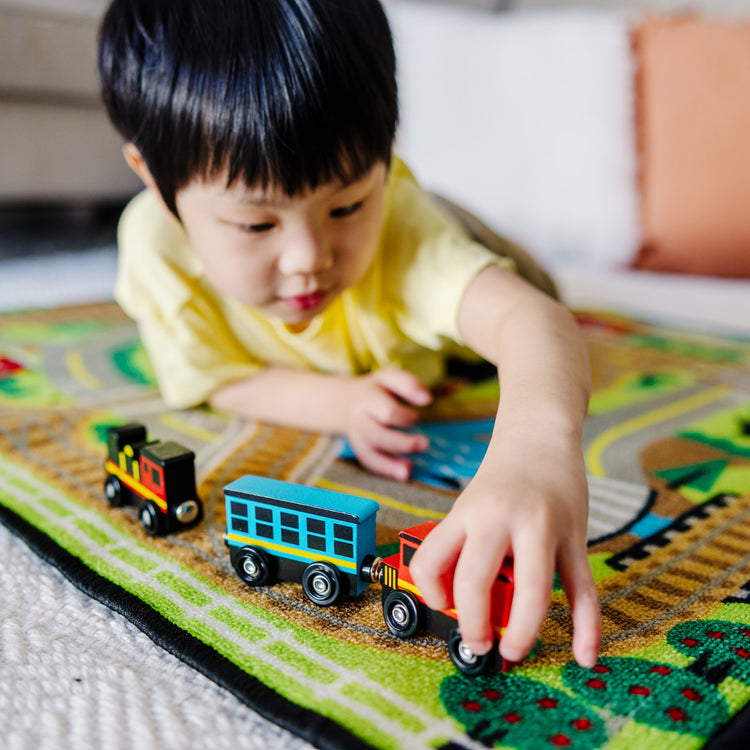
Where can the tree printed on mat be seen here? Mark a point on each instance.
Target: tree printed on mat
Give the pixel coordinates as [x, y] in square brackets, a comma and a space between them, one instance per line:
[514, 711]
[723, 645]
[653, 693]
[519, 712]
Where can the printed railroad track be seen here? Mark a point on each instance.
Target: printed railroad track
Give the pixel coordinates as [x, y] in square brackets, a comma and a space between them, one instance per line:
[679, 574]
[43, 442]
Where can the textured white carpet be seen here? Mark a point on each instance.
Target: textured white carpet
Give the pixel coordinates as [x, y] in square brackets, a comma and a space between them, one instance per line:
[76, 676]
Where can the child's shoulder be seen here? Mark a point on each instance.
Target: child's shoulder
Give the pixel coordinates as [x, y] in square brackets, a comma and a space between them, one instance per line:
[414, 220]
[148, 232]
[156, 267]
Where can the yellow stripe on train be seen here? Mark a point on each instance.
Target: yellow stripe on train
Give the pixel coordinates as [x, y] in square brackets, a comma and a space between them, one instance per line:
[134, 485]
[410, 587]
[293, 551]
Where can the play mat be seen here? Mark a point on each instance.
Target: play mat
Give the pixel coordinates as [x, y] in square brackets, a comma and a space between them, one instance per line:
[667, 446]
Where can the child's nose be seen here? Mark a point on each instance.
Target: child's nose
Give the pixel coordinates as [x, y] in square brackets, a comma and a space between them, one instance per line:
[306, 253]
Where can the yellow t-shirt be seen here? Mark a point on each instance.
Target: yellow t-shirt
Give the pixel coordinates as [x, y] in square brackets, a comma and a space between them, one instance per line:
[403, 312]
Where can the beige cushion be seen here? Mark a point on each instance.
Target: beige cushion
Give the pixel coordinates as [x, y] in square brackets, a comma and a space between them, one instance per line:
[48, 47]
[58, 142]
[54, 152]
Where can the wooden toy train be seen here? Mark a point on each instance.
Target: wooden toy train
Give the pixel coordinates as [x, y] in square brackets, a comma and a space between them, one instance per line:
[158, 477]
[279, 531]
[326, 541]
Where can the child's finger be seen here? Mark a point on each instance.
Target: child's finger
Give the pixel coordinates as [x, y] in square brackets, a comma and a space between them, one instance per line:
[394, 442]
[533, 569]
[384, 464]
[578, 582]
[387, 410]
[476, 571]
[404, 385]
[433, 561]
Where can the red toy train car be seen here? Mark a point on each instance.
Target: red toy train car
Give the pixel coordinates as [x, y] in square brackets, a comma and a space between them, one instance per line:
[158, 477]
[405, 612]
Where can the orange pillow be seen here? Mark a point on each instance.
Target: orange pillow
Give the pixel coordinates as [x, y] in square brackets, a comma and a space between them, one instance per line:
[693, 110]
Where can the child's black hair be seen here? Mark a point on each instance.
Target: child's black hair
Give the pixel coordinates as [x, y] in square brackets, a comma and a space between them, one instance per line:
[290, 93]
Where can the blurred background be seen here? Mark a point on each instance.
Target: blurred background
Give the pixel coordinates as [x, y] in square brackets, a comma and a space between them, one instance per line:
[503, 101]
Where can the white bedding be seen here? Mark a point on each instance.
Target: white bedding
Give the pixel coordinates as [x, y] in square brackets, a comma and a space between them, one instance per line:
[705, 304]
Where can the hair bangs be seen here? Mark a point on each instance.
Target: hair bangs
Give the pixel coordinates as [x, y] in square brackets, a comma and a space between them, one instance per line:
[297, 112]
[286, 93]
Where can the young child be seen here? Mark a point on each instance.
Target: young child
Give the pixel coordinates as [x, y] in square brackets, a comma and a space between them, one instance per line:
[284, 266]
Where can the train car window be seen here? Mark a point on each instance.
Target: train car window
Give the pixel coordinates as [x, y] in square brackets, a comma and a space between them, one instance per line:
[264, 530]
[316, 542]
[289, 529]
[240, 524]
[289, 520]
[316, 526]
[342, 538]
[343, 549]
[290, 536]
[343, 532]
[156, 476]
[408, 554]
[264, 514]
[238, 509]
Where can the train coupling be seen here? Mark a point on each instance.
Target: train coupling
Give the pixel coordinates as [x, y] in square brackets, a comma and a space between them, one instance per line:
[372, 569]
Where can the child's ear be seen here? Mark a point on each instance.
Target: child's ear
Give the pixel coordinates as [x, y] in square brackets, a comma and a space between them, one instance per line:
[138, 164]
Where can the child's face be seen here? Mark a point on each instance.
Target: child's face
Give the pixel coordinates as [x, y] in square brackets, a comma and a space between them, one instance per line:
[288, 257]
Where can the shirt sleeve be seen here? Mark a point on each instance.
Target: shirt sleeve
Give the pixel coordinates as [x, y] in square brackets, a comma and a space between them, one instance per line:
[180, 322]
[430, 263]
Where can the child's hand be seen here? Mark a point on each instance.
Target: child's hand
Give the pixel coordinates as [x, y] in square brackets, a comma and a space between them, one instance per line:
[528, 501]
[376, 405]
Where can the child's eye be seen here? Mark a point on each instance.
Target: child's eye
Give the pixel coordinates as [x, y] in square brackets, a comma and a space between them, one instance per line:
[257, 228]
[344, 211]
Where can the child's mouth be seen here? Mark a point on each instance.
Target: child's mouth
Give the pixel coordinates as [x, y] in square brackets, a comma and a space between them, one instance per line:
[306, 301]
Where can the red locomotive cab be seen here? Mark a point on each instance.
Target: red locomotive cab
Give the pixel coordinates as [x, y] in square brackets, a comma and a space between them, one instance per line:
[152, 476]
[502, 597]
[405, 611]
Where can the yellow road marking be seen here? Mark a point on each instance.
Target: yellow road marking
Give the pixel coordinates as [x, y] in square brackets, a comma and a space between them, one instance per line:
[183, 426]
[603, 441]
[389, 502]
[74, 363]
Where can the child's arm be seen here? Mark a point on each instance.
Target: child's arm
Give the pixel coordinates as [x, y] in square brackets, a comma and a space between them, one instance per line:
[529, 498]
[367, 409]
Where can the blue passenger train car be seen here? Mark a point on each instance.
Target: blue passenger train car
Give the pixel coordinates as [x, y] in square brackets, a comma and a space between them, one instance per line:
[282, 531]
